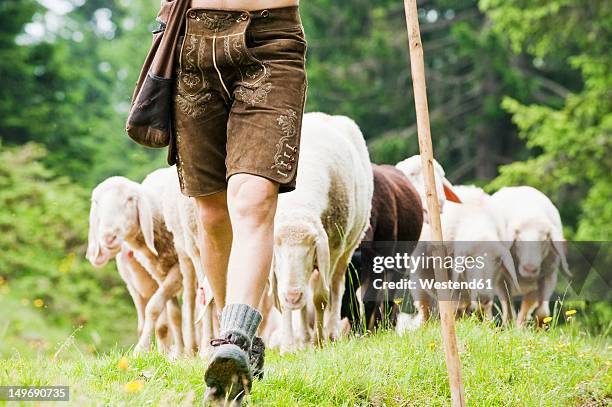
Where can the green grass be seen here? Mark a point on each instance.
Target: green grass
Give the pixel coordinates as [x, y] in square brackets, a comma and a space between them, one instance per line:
[501, 368]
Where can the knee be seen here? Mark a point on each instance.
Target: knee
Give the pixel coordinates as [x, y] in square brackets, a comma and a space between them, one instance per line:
[252, 199]
[213, 215]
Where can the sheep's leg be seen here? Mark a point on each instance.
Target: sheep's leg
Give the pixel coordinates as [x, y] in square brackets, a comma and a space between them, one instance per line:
[162, 339]
[332, 313]
[483, 308]
[207, 329]
[319, 314]
[528, 304]
[304, 338]
[124, 268]
[505, 298]
[423, 310]
[189, 294]
[140, 304]
[287, 341]
[156, 305]
[546, 287]
[487, 309]
[175, 319]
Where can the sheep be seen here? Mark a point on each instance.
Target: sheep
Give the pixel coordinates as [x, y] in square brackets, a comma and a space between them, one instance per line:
[412, 167]
[475, 230]
[471, 194]
[139, 283]
[423, 299]
[320, 224]
[397, 215]
[179, 213]
[533, 228]
[126, 211]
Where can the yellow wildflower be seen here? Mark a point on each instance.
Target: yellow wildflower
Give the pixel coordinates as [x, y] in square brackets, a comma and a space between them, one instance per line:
[570, 312]
[398, 301]
[547, 320]
[134, 386]
[38, 303]
[67, 263]
[123, 363]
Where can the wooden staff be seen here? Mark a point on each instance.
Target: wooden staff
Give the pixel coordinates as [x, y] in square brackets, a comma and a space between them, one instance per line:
[447, 312]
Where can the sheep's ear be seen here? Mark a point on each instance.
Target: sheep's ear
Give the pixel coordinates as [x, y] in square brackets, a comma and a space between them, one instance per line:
[557, 244]
[145, 218]
[323, 257]
[508, 262]
[93, 247]
[449, 193]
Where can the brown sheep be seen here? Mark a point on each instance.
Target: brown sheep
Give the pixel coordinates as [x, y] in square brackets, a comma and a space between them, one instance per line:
[397, 215]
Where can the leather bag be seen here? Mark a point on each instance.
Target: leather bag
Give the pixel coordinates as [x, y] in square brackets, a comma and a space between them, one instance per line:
[150, 119]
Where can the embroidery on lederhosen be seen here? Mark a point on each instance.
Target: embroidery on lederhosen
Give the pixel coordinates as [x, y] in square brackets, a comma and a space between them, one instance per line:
[284, 158]
[250, 94]
[190, 98]
[254, 96]
[179, 160]
[246, 65]
[216, 23]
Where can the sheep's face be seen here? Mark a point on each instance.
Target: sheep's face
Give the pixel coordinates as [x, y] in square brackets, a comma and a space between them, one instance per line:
[102, 256]
[117, 214]
[531, 246]
[294, 262]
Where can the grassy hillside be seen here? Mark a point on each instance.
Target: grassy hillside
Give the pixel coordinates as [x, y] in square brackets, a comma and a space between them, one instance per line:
[501, 368]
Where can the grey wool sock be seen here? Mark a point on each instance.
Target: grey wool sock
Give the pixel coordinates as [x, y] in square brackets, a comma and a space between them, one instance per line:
[239, 323]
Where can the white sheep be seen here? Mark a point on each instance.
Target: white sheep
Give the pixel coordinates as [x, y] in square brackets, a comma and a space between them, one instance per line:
[533, 228]
[471, 194]
[476, 231]
[423, 299]
[412, 167]
[139, 283]
[320, 224]
[126, 211]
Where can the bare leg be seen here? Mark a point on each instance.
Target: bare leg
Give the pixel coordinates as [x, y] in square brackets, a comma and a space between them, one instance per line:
[252, 205]
[215, 241]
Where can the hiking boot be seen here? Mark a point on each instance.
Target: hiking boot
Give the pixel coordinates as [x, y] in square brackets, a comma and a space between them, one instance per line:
[256, 357]
[228, 376]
